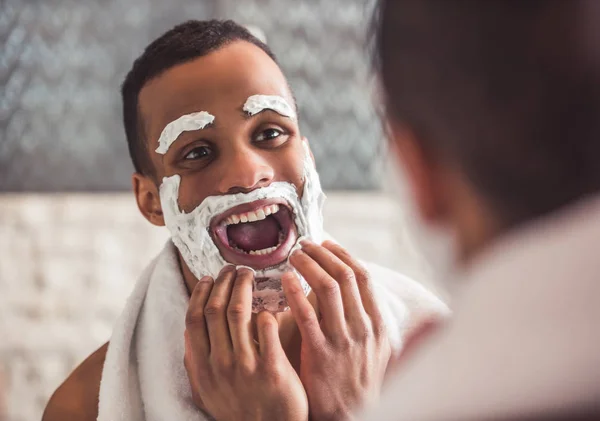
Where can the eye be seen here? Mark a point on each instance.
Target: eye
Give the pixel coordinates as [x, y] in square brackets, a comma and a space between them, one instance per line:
[198, 152]
[268, 134]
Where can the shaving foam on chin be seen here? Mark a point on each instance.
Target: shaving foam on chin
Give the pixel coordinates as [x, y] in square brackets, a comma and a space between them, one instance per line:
[190, 232]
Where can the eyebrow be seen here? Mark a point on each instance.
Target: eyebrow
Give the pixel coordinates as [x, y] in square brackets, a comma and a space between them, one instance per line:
[185, 123]
[256, 104]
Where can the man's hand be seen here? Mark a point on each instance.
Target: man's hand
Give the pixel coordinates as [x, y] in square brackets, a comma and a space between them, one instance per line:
[344, 352]
[232, 377]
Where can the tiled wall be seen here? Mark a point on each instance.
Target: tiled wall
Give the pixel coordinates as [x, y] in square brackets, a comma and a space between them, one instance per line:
[68, 262]
[62, 62]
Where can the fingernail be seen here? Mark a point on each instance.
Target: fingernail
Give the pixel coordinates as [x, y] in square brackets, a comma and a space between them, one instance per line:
[206, 279]
[306, 242]
[297, 252]
[248, 268]
[227, 268]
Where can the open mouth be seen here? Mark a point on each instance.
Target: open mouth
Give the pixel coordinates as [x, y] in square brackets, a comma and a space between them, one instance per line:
[259, 234]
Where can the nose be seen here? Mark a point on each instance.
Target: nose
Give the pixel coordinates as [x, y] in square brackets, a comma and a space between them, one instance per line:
[244, 171]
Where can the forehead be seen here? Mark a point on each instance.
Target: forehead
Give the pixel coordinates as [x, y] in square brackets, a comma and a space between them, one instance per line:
[218, 83]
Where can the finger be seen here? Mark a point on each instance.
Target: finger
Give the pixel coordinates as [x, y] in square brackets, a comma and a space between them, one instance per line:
[302, 310]
[268, 337]
[194, 320]
[194, 366]
[239, 313]
[215, 312]
[326, 289]
[344, 274]
[363, 281]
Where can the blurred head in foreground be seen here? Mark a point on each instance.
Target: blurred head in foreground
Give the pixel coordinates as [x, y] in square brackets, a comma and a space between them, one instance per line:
[492, 107]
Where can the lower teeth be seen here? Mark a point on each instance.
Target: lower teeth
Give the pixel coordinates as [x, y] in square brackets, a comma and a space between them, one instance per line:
[263, 251]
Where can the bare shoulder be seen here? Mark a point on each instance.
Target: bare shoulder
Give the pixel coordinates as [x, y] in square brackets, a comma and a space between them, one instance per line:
[77, 398]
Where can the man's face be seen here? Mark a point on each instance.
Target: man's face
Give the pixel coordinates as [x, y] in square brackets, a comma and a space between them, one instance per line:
[237, 153]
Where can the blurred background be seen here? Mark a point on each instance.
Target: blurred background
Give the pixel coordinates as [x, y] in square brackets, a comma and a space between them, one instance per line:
[72, 242]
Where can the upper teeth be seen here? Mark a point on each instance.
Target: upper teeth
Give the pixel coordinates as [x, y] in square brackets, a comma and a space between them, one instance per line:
[255, 215]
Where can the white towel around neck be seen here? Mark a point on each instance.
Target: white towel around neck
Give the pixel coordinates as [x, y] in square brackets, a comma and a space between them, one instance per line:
[144, 377]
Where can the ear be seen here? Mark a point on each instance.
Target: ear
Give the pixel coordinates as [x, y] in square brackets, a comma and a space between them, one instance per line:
[148, 199]
[421, 171]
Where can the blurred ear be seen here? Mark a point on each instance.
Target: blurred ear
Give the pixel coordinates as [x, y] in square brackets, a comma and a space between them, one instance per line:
[148, 199]
[421, 170]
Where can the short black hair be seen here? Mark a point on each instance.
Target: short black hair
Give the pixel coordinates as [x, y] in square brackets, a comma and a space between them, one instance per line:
[183, 43]
[509, 91]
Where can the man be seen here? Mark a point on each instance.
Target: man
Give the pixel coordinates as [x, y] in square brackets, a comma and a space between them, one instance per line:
[493, 113]
[213, 134]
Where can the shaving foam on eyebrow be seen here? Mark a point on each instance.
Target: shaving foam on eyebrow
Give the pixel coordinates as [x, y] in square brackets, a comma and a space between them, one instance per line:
[185, 123]
[257, 103]
[191, 235]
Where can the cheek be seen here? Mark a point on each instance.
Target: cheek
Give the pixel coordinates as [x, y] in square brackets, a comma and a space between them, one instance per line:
[192, 191]
[289, 165]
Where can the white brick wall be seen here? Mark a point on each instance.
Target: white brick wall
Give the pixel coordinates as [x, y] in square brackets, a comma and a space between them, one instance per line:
[68, 262]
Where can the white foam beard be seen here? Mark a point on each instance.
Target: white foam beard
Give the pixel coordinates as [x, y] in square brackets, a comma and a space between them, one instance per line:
[191, 234]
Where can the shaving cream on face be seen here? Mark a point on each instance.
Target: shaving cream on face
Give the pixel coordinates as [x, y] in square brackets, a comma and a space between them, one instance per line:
[258, 103]
[191, 234]
[185, 123]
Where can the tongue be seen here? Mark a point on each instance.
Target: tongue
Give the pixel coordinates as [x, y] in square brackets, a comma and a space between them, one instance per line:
[254, 235]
